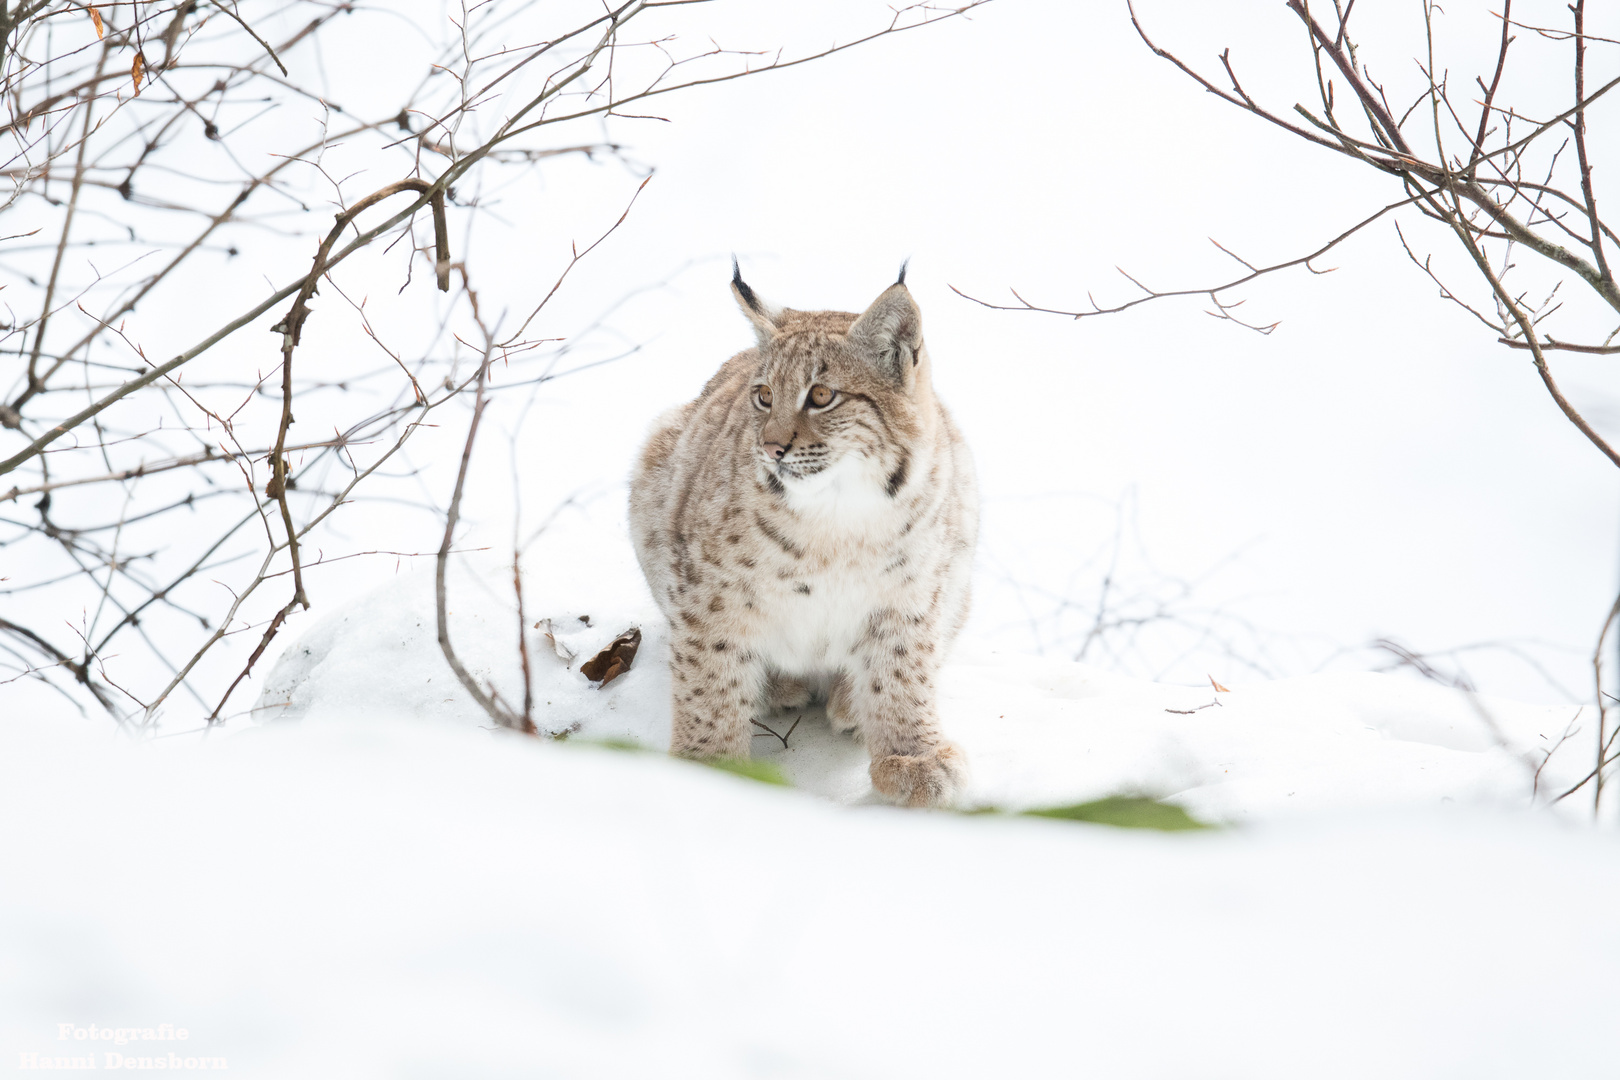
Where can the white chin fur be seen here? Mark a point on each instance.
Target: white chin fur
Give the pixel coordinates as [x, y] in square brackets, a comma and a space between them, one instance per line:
[850, 493]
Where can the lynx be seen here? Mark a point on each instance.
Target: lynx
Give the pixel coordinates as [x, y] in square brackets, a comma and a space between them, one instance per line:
[807, 524]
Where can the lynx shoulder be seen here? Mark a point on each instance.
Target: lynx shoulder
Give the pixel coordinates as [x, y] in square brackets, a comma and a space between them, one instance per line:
[807, 524]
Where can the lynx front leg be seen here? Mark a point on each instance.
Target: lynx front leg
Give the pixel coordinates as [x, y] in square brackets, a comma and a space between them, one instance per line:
[892, 696]
[716, 688]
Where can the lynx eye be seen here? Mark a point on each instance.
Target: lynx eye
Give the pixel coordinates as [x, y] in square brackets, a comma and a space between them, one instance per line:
[821, 396]
[762, 396]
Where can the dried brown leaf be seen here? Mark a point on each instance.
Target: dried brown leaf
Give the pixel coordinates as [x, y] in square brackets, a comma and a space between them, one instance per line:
[95, 17]
[614, 660]
[1217, 685]
[136, 70]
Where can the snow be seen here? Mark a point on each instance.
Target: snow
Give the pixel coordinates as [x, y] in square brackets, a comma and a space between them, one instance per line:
[1038, 731]
[424, 899]
[373, 883]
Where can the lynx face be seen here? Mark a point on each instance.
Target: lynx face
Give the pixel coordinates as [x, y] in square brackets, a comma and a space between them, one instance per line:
[807, 524]
[819, 400]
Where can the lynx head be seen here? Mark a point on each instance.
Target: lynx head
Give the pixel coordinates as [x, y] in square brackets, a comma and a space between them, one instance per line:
[835, 387]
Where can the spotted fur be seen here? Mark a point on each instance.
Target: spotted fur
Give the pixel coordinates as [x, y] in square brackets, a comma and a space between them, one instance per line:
[839, 568]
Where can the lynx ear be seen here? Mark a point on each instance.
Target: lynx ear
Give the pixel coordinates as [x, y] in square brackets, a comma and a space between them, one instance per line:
[889, 332]
[767, 318]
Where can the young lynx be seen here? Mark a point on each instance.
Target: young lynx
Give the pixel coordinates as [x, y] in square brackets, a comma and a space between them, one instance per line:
[808, 525]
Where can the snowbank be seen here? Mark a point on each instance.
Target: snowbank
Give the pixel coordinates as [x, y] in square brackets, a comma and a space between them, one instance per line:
[415, 899]
[371, 883]
[1038, 731]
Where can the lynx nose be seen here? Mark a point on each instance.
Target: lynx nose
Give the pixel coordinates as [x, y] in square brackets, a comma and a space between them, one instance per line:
[776, 450]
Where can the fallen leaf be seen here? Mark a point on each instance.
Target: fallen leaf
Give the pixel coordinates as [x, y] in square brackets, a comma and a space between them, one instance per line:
[766, 772]
[136, 70]
[1126, 812]
[614, 660]
[95, 17]
[1219, 688]
[559, 647]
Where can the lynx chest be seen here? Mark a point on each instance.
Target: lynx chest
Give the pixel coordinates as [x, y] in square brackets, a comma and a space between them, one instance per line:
[847, 549]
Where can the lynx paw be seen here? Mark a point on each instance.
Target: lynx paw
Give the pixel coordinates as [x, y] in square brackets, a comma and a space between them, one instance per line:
[934, 778]
[838, 714]
[784, 693]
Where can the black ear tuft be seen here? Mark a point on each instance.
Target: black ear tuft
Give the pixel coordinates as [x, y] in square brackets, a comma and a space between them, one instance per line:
[902, 279]
[743, 290]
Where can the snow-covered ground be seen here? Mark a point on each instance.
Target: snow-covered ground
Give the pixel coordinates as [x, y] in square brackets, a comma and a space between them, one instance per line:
[1038, 731]
[383, 887]
[414, 900]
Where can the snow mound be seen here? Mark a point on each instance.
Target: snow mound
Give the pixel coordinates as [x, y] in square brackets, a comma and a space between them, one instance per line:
[371, 884]
[370, 900]
[1037, 731]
